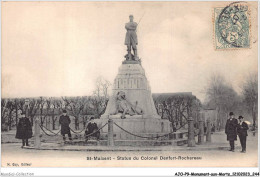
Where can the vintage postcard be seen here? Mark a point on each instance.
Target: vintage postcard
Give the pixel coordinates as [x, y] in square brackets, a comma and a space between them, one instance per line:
[129, 84]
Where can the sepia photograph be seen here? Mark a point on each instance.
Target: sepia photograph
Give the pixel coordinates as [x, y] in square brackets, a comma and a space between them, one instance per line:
[129, 84]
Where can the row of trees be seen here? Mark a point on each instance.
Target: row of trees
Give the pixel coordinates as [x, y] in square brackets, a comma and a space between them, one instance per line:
[46, 107]
[177, 108]
[222, 97]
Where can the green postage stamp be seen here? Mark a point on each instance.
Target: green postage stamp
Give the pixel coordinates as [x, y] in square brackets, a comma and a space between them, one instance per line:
[232, 26]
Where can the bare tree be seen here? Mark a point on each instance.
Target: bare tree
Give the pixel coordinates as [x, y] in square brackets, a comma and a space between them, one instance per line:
[250, 93]
[47, 109]
[16, 111]
[32, 108]
[41, 105]
[221, 96]
[11, 107]
[4, 113]
[177, 108]
[100, 96]
[56, 108]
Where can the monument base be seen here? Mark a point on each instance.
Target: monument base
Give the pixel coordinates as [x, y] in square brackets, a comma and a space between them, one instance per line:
[131, 62]
[144, 127]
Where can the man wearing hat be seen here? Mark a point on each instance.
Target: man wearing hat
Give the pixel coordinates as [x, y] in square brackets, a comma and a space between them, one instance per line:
[64, 123]
[242, 132]
[231, 131]
[91, 128]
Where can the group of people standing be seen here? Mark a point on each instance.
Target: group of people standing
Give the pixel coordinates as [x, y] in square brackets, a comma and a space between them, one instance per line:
[236, 127]
[24, 128]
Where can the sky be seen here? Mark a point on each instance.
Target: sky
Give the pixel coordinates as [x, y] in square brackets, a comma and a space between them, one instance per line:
[61, 48]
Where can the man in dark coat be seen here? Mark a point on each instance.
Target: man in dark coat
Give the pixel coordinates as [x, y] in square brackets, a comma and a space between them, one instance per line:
[92, 127]
[64, 123]
[231, 131]
[24, 130]
[242, 132]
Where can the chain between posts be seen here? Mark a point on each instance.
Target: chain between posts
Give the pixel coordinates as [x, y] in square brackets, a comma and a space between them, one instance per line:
[148, 137]
[54, 134]
[77, 132]
[90, 133]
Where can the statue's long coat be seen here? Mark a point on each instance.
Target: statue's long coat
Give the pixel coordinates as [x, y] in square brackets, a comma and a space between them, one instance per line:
[131, 37]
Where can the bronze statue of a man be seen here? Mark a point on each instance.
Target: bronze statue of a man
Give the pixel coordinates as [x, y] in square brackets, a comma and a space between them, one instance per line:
[131, 38]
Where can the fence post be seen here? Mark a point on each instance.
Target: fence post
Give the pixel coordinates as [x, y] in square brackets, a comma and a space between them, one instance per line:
[208, 137]
[37, 134]
[110, 136]
[191, 138]
[201, 131]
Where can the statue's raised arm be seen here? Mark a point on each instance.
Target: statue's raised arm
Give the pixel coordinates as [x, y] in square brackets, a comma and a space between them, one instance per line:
[131, 38]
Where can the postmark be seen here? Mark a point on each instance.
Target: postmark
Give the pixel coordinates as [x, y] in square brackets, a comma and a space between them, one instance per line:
[232, 26]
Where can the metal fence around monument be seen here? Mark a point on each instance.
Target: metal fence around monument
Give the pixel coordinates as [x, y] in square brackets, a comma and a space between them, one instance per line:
[51, 133]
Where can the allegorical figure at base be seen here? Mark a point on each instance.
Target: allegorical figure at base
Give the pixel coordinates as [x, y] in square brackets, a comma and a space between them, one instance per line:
[125, 107]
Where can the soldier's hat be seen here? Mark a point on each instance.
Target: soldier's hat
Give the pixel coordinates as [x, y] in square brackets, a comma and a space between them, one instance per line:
[64, 111]
[131, 15]
[240, 117]
[231, 114]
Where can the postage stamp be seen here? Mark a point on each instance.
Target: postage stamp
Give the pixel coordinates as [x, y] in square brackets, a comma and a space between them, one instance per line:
[232, 26]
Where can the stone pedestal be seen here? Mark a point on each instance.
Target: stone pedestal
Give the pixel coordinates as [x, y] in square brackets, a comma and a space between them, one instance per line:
[132, 81]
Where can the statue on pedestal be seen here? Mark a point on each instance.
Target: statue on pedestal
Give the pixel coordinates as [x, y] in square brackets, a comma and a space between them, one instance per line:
[131, 106]
[131, 39]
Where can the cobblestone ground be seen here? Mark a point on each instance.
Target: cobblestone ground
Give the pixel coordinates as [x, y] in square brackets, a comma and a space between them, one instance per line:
[208, 156]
